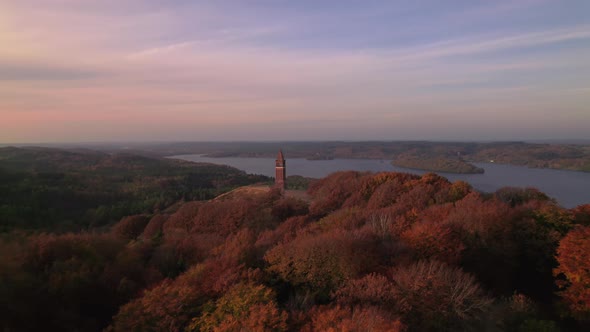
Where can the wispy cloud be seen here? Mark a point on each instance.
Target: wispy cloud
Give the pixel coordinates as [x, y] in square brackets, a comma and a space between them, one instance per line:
[486, 44]
[200, 66]
[34, 72]
[161, 50]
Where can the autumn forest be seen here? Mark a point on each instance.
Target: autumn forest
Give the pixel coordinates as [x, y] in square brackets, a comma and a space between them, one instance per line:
[92, 241]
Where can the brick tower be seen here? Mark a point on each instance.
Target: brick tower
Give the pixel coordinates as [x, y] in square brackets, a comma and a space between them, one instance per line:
[280, 171]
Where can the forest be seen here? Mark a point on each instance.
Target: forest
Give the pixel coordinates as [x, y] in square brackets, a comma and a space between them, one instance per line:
[358, 252]
[60, 190]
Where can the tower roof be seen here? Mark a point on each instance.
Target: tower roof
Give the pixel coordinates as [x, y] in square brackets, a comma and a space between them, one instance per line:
[280, 155]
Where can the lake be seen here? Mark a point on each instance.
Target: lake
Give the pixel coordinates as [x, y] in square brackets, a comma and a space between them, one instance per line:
[569, 188]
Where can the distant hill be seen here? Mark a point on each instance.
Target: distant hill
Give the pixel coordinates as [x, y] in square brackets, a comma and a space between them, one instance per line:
[455, 154]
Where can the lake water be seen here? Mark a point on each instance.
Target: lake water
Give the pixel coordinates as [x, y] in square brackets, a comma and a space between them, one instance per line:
[569, 188]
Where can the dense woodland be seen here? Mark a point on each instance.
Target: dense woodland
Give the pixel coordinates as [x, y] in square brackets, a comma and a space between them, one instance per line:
[364, 252]
[61, 190]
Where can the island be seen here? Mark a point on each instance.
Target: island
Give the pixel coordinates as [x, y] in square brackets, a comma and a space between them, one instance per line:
[436, 164]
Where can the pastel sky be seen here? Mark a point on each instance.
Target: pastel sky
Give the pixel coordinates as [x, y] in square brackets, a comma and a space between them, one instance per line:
[160, 70]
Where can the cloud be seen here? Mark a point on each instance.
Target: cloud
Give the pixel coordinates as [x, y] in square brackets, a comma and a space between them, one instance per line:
[161, 50]
[37, 72]
[205, 67]
[485, 44]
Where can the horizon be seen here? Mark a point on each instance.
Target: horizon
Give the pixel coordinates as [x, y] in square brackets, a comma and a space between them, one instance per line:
[82, 72]
[139, 143]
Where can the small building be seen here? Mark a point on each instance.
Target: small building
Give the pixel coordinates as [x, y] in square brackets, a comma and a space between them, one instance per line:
[280, 171]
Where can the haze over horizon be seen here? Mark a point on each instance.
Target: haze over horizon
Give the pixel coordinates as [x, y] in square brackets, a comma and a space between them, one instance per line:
[293, 70]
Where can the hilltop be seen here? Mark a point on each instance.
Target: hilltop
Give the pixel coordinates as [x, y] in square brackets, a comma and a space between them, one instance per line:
[395, 251]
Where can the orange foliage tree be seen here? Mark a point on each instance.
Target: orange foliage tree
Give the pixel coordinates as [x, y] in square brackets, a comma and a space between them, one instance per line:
[167, 307]
[322, 261]
[574, 267]
[244, 307]
[352, 319]
[429, 240]
[331, 192]
[372, 289]
[438, 296]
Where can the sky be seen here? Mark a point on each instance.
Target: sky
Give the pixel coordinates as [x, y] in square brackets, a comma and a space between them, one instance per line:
[156, 70]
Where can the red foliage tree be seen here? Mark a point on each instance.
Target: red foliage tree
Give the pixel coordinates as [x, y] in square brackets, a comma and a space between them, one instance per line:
[582, 214]
[238, 249]
[285, 232]
[167, 307]
[574, 267]
[344, 219]
[457, 191]
[183, 218]
[382, 188]
[331, 192]
[154, 227]
[171, 305]
[130, 227]
[517, 196]
[289, 207]
[228, 216]
[385, 194]
[323, 260]
[352, 319]
[438, 241]
[372, 289]
[438, 296]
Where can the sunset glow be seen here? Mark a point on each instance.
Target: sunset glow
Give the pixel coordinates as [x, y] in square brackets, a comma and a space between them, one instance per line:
[295, 70]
